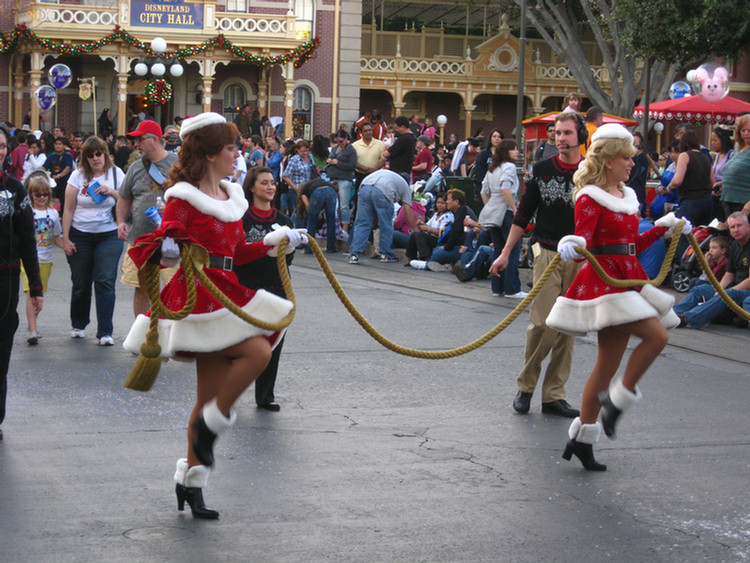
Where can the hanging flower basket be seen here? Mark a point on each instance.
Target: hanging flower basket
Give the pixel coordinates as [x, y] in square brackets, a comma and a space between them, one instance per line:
[158, 92]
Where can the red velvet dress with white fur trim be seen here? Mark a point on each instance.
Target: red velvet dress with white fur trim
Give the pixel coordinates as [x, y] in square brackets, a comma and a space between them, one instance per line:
[190, 215]
[590, 303]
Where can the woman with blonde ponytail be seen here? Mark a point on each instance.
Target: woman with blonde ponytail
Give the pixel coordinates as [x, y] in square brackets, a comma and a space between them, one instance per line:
[606, 223]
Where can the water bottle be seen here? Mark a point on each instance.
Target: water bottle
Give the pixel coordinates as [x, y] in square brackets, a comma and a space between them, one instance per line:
[153, 215]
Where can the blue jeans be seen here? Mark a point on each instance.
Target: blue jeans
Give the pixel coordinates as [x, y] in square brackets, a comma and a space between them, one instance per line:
[704, 313]
[323, 198]
[479, 264]
[443, 256]
[94, 261]
[509, 282]
[298, 221]
[288, 202]
[399, 240]
[345, 196]
[372, 205]
[698, 294]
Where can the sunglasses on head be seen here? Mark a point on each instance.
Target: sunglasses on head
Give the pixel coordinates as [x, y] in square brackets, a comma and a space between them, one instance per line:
[96, 154]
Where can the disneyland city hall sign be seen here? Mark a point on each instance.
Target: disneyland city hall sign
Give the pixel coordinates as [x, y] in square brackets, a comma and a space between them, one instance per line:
[166, 13]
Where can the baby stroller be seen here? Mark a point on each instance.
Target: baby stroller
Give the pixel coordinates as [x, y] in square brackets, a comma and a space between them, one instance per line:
[687, 267]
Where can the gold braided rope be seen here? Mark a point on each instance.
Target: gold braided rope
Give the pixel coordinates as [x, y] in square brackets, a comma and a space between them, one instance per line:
[714, 282]
[189, 258]
[413, 352]
[286, 280]
[657, 281]
[148, 364]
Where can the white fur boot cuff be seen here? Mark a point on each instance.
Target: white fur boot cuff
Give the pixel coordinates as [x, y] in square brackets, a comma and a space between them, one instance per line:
[215, 420]
[622, 398]
[197, 476]
[589, 433]
[180, 471]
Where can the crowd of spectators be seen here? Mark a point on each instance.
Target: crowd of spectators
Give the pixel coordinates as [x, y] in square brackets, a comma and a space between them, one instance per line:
[399, 170]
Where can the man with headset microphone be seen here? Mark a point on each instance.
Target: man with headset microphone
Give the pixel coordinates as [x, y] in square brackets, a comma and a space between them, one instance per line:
[17, 244]
[548, 193]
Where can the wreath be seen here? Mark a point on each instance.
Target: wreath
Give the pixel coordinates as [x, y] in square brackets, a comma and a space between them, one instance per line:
[158, 91]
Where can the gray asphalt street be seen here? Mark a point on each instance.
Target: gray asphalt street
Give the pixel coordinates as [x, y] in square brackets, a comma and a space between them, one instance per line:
[374, 457]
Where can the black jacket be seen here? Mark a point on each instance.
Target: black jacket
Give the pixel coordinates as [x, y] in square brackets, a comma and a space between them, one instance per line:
[17, 233]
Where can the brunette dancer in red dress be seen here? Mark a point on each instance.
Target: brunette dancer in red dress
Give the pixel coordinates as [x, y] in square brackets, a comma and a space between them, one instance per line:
[606, 223]
[229, 353]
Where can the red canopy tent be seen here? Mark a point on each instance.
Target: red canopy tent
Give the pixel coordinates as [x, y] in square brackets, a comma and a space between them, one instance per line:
[536, 127]
[694, 109]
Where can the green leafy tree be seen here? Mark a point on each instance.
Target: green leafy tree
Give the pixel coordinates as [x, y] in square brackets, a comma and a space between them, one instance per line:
[672, 34]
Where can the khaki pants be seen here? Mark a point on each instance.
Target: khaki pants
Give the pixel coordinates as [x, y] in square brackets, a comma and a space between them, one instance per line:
[542, 341]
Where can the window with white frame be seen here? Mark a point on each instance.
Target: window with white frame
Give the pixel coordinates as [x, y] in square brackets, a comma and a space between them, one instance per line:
[237, 6]
[304, 10]
[234, 99]
[302, 112]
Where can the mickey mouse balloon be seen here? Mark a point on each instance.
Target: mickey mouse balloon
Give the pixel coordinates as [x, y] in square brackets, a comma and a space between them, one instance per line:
[45, 97]
[60, 76]
[679, 89]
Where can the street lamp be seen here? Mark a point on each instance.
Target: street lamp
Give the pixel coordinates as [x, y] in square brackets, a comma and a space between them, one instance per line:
[659, 128]
[158, 68]
[441, 121]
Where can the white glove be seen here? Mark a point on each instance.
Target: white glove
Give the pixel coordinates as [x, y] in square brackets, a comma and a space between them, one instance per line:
[687, 228]
[566, 247]
[297, 237]
[170, 252]
[275, 237]
[670, 220]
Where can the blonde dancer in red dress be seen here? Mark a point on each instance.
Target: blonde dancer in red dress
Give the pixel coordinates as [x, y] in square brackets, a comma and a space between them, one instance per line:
[606, 223]
[229, 353]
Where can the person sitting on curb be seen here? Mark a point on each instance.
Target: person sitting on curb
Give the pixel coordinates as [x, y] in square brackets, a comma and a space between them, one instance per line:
[420, 244]
[702, 304]
[476, 254]
[448, 250]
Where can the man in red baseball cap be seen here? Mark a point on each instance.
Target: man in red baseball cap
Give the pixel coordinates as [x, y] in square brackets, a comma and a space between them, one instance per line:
[142, 185]
[147, 127]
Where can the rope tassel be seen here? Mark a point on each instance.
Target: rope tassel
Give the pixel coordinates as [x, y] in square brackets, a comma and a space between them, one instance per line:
[148, 364]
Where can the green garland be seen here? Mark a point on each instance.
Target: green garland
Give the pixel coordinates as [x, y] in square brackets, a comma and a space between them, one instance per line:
[299, 55]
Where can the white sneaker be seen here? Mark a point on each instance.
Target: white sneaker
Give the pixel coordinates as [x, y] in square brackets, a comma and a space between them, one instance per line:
[77, 333]
[106, 341]
[519, 295]
[438, 267]
[418, 264]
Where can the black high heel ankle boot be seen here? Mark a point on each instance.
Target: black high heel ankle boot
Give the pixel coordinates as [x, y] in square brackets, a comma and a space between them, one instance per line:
[207, 427]
[614, 402]
[203, 445]
[194, 498]
[585, 453]
[609, 415]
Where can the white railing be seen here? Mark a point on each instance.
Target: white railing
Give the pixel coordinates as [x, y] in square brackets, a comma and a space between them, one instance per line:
[433, 67]
[422, 66]
[562, 72]
[106, 14]
[249, 23]
[60, 14]
[377, 65]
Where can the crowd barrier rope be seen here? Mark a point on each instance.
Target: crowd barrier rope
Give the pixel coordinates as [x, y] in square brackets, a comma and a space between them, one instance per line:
[195, 258]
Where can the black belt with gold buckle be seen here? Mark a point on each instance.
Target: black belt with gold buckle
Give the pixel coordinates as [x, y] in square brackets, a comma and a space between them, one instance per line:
[221, 262]
[626, 249]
